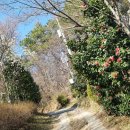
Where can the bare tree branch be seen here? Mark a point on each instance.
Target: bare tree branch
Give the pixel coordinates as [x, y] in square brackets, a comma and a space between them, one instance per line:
[116, 12]
[47, 10]
[44, 6]
[77, 24]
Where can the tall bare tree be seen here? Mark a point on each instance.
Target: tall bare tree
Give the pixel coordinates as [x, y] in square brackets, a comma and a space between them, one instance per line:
[38, 7]
[49, 64]
[7, 40]
[121, 11]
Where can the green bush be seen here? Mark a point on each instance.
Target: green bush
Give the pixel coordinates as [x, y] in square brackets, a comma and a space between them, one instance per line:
[79, 87]
[64, 101]
[103, 58]
[124, 106]
[90, 93]
[75, 93]
[20, 84]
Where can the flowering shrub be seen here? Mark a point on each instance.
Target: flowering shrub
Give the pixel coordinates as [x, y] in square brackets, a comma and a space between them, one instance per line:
[104, 58]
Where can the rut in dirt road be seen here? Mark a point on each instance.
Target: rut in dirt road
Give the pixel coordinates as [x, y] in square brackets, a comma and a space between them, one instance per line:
[73, 118]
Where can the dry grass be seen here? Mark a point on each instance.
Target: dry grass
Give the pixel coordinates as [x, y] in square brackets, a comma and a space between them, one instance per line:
[84, 103]
[78, 124]
[13, 116]
[51, 105]
[110, 122]
[115, 122]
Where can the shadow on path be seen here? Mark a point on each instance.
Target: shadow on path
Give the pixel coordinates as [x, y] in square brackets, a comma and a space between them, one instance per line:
[61, 111]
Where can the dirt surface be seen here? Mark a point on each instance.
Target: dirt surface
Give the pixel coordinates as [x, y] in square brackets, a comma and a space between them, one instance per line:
[72, 118]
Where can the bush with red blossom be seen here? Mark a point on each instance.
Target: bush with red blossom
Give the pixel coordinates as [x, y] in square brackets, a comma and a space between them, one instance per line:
[104, 58]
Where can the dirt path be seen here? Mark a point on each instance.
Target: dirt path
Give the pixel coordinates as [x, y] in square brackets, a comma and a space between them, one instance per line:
[73, 118]
[93, 122]
[64, 123]
[78, 119]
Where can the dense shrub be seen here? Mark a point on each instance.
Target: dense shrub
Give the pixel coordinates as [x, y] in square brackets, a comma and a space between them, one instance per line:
[20, 84]
[124, 106]
[79, 87]
[90, 93]
[64, 101]
[103, 58]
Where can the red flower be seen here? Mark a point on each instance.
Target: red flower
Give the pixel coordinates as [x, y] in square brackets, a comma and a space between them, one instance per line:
[96, 63]
[112, 58]
[117, 51]
[119, 60]
[106, 64]
[108, 60]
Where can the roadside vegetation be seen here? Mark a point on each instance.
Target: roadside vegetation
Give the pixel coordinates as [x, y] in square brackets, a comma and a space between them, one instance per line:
[111, 122]
[100, 62]
[15, 116]
[101, 58]
[63, 100]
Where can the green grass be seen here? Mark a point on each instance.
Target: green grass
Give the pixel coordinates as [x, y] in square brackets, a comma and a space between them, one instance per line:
[41, 122]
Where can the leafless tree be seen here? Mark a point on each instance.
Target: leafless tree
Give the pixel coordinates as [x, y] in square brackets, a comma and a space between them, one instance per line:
[38, 7]
[50, 70]
[7, 37]
[7, 40]
[121, 11]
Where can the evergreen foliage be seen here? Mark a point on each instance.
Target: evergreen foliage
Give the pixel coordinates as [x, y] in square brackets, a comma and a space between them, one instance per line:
[20, 84]
[63, 100]
[103, 57]
[37, 38]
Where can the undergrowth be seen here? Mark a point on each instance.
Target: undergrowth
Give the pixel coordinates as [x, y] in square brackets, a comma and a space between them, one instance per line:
[13, 116]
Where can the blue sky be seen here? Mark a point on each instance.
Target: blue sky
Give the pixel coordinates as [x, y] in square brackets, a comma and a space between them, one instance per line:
[25, 27]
